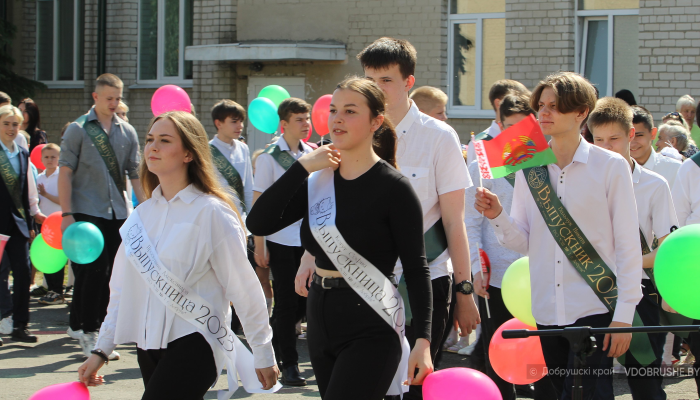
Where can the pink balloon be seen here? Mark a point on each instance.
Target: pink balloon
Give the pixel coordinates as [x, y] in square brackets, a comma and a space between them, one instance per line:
[460, 384]
[518, 361]
[170, 98]
[63, 391]
[320, 114]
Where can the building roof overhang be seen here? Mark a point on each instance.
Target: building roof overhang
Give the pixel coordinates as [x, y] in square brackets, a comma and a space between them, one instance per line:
[268, 51]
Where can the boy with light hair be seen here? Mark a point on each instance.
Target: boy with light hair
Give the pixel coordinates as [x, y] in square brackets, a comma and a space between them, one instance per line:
[431, 101]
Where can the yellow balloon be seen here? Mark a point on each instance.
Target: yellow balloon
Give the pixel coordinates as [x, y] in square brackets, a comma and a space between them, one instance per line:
[515, 289]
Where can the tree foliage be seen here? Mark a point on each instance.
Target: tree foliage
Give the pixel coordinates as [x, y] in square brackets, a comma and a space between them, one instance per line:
[16, 86]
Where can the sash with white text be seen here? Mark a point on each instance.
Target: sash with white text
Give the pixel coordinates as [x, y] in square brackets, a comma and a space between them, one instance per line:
[367, 281]
[582, 255]
[229, 173]
[177, 297]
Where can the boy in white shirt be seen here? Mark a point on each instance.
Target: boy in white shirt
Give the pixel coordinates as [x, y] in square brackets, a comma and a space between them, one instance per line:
[585, 177]
[231, 156]
[610, 124]
[429, 154]
[642, 147]
[282, 251]
[47, 185]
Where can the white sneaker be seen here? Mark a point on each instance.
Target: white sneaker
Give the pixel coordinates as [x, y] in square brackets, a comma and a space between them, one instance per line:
[462, 343]
[114, 356]
[87, 342]
[74, 334]
[6, 326]
[467, 351]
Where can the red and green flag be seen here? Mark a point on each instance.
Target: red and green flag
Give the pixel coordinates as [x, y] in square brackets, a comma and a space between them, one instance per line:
[521, 146]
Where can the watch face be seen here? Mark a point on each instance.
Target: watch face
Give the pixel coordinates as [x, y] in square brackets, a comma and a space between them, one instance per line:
[466, 287]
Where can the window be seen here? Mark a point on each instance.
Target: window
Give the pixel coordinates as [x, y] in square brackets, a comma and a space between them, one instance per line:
[607, 48]
[60, 49]
[165, 29]
[476, 57]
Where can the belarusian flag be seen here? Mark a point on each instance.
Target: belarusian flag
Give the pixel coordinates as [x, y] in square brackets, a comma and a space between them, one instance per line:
[521, 146]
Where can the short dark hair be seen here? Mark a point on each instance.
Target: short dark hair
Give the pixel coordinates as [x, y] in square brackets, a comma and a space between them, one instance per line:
[515, 103]
[627, 96]
[643, 116]
[291, 106]
[110, 80]
[5, 98]
[227, 108]
[501, 88]
[385, 52]
[610, 110]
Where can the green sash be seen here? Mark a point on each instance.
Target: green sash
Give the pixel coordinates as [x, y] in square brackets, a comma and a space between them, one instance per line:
[11, 179]
[101, 141]
[229, 172]
[283, 158]
[511, 178]
[580, 252]
[696, 159]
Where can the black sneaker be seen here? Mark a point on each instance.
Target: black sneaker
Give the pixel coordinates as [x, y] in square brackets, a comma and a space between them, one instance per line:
[52, 298]
[39, 292]
[291, 376]
[68, 292]
[22, 335]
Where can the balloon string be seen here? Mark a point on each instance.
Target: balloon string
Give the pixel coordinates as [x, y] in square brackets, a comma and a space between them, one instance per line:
[478, 253]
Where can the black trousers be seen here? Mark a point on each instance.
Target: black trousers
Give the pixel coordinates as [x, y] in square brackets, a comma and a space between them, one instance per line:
[558, 356]
[91, 292]
[353, 351]
[289, 306]
[442, 297]
[185, 370]
[448, 328]
[648, 386]
[15, 258]
[55, 281]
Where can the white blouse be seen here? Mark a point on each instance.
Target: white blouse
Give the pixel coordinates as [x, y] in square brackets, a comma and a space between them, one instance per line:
[199, 239]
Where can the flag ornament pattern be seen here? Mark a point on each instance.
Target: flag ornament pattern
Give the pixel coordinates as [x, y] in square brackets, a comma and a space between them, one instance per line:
[521, 146]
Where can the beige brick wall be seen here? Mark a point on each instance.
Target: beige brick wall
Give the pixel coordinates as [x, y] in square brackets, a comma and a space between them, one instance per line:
[669, 53]
[539, 39]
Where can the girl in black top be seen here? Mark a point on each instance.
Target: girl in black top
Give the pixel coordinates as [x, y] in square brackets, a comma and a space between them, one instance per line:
[353, 351]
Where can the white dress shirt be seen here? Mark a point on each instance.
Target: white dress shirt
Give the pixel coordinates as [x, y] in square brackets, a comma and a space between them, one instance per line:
[200, 240]
[13, 157]
[428, 153]
[654, 205]
[596, 189]
[267, 172]
[493, 131]
[479, 229]
[686, 194]
[50, 183]
[664, 166]
[238, 155]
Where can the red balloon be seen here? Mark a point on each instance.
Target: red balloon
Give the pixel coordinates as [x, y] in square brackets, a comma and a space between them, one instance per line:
[518, 361]
[320, 113]
[51, 230]
[36, 157]
[311, 131]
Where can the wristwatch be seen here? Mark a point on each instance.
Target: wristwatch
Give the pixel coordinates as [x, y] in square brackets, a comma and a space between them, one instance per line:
[465, 287]
[102, 355]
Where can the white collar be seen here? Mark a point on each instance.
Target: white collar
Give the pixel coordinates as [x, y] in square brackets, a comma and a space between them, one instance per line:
[11, 153]
[187, 195]
[284, 146]
[651, 162]
[405, 124]
[636, 172]
[582, 151]
[221, 142]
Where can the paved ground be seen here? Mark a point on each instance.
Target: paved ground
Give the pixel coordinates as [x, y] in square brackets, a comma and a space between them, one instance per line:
[24, 369]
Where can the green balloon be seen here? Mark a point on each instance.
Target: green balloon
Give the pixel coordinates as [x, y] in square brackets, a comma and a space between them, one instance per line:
[515, 289]
[45, 258]
[677, 271]
[275, 93]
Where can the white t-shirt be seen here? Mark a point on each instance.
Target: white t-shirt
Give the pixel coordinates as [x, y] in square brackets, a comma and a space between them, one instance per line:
[428, 153]
[267, 172]
[50, 183]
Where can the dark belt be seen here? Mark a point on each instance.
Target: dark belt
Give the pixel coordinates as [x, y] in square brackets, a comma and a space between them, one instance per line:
[337, 283]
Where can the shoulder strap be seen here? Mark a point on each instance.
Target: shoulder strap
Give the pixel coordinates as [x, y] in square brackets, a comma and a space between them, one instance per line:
[11, 179]
[581, 253]
[696, 159]
[101, 141]
[283, 158]
[229, 172]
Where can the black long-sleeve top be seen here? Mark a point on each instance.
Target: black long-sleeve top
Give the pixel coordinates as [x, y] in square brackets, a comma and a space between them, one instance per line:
[378, 214]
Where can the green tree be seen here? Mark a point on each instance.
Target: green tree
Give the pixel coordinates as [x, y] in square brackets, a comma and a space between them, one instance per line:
[16, 86]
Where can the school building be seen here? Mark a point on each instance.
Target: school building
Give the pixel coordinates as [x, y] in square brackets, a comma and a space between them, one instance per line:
[232, 48]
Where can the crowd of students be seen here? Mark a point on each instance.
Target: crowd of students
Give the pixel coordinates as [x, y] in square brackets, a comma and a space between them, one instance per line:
[372, 240]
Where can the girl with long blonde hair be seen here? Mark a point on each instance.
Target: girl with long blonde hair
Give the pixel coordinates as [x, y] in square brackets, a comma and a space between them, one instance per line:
[198, 240]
